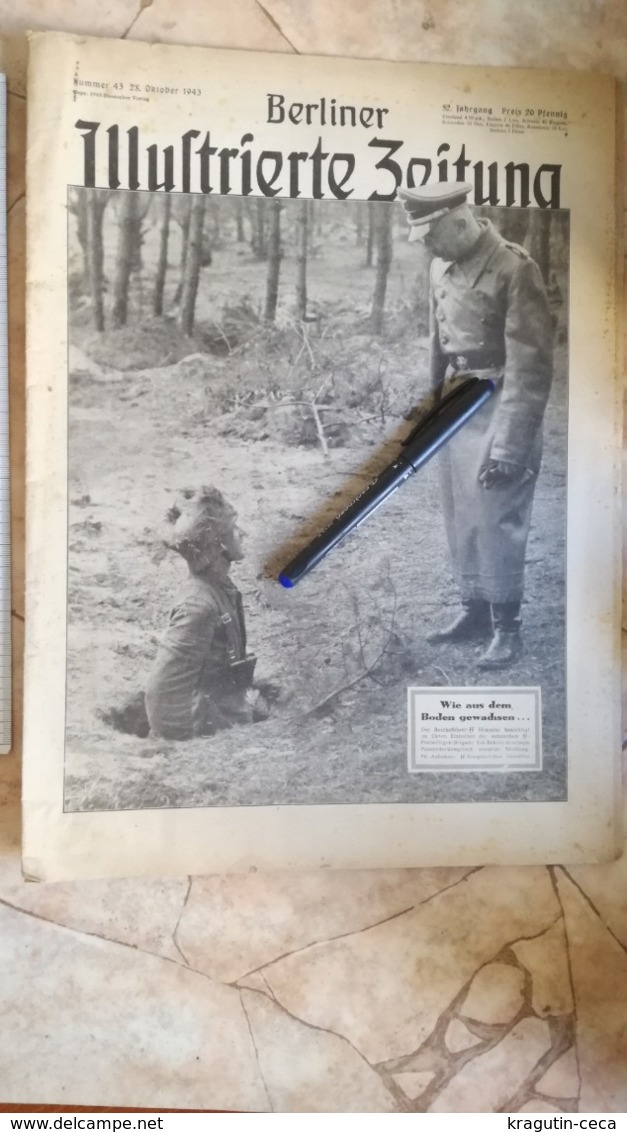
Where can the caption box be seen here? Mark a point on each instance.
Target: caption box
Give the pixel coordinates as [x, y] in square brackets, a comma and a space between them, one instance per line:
[471, 729]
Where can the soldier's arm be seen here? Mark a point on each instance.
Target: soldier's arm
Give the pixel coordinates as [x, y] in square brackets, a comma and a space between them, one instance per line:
[528, 367]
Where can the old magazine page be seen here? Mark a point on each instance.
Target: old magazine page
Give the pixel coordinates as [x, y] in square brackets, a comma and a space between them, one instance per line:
[248, 276]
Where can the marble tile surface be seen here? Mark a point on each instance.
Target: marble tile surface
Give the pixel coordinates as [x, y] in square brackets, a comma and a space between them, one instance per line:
[423, 990]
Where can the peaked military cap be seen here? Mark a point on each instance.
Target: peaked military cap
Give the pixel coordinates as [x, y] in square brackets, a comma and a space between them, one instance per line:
[427, 204]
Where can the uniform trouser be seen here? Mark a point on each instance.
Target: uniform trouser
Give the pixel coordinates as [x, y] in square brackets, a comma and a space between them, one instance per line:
[487, 529]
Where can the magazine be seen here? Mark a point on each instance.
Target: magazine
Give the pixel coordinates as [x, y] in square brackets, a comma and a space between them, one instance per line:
[249, 278]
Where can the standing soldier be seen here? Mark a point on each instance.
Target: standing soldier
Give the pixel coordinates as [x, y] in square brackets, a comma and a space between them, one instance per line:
[489, 315]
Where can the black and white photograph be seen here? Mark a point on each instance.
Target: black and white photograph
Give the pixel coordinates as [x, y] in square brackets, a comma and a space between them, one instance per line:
[239, 369]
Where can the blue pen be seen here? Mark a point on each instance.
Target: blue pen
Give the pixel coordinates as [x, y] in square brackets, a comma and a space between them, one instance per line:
[448, 416]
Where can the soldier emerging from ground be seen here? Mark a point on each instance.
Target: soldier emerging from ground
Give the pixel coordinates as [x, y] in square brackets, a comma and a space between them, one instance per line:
[489, 315]
[201, 679]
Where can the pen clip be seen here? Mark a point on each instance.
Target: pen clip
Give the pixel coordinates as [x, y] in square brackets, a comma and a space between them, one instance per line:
[434, 413]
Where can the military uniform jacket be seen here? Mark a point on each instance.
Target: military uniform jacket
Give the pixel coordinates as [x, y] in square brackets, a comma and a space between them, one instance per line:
[205, 634]
[490, 315]
[493, 304]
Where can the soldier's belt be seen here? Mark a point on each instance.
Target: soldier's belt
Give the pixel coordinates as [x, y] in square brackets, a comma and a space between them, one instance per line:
[475, 359]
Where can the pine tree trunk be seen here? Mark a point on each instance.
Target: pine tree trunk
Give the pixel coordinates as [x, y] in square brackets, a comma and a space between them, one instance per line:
[372, 224]
[384, 259]
[258, 215]
[162, 264]
[95, 255]
[184, 243]
[192, 265]
[80, 210]
[274, 261]
[302, 232]
[359, 224]
[128, 250]
[239, 219]
[213, 206]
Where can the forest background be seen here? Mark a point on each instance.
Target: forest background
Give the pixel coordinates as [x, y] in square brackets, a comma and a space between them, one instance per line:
[276, 348]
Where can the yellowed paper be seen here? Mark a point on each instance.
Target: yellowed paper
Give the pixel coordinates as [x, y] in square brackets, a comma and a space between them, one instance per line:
[357, 742]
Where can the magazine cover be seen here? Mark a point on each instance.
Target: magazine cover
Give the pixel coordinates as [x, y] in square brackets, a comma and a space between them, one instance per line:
[250, 277]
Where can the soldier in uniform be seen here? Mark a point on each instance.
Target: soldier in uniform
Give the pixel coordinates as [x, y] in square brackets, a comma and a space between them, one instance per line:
[489, 315]
[201, 678]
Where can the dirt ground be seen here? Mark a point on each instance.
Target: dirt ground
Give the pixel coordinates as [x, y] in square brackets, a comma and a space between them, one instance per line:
[339, 731]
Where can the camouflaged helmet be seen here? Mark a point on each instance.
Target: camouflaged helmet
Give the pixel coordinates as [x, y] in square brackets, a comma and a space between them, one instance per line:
[203, 524]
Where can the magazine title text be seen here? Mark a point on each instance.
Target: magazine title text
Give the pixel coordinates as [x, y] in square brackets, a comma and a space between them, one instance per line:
[197, 163]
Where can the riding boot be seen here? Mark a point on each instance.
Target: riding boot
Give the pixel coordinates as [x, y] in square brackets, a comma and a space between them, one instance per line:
[506, 645]
[472, 623]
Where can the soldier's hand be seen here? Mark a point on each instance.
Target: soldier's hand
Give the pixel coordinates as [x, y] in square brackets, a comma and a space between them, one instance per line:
[269, 689]
[258, 704]
[498, 472]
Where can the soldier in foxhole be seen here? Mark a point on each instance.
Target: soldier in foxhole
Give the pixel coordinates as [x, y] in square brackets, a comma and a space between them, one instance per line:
[202, 676]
